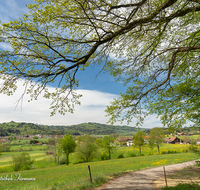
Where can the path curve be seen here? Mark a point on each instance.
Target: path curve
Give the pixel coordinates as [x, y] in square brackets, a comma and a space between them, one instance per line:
[143, 179]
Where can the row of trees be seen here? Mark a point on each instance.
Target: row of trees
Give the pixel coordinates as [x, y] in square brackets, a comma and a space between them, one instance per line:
[86, 147]
[155, 139]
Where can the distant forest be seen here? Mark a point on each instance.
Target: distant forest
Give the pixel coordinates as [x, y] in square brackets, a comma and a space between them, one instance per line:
[13, 128]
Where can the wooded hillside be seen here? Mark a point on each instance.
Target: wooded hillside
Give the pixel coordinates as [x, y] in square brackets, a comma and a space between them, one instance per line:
[14, 128]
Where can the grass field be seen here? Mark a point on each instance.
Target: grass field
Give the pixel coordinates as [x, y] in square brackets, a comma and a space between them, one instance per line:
[76, 176]
[38, 152]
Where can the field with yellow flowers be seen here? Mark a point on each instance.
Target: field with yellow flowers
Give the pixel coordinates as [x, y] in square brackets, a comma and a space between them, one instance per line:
[75, 176]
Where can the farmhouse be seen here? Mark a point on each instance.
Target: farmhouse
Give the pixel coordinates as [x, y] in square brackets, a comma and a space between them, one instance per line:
[127, 140]
[175, 140]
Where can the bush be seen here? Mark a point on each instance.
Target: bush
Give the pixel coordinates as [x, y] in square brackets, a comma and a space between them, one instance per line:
[132, 154]
[22, 162]
[120, 156]
[62, 160]
[104, 157]
[170, 152]
[34, 141]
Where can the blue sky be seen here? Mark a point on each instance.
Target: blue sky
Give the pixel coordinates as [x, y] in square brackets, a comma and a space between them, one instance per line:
[98, 90]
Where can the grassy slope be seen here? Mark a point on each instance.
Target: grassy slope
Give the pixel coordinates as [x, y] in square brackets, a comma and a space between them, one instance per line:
[76, 176]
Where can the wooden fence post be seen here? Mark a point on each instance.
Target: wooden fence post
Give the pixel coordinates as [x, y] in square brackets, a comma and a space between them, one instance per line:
[90, 173]
[165, 176]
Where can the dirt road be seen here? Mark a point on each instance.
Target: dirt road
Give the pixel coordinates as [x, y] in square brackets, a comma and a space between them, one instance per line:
[142, 180]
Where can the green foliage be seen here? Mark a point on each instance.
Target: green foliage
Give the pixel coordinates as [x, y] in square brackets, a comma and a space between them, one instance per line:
[139, 140]
[22, 162]
[104, 156]
[34, 141]
[86, 149]
[62, 159]
[108, 144]
[5, 147]
[99, 142]
[156, 137]
[54, 147]
[120, 155]
[68, 146]
[187, 139]
[14, 128]
[194, 147]
[140, 44]
[132, 155]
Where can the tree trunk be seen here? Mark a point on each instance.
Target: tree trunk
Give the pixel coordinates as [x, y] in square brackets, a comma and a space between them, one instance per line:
[140, 149]
[158, 149]
[67, 159]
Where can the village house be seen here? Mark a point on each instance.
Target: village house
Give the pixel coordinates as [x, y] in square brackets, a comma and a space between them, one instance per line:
[175, 140]
[128, 141]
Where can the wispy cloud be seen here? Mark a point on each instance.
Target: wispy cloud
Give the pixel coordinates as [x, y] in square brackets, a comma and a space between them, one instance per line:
[12, 9]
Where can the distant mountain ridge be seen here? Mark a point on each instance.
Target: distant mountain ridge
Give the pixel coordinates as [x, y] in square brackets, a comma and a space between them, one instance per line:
[21, 128]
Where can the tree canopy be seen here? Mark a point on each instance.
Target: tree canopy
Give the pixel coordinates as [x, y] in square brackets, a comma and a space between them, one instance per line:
[68, 146]
[151, 46]
[156, 137]
[139, 140]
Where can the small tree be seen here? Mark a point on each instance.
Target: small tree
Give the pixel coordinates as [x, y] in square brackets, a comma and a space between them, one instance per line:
[68, 146]
[139, 140]
[22, 161]
[151, 145]
[55, 148]
[86, 150]
[156, 137]
[108, 144]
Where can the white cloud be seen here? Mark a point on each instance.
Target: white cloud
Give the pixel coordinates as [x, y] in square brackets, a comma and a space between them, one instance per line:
[93, 104]
[5, 46]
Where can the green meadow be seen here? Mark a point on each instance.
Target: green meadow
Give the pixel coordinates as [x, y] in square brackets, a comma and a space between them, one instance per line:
[50, 176]
[76, 176]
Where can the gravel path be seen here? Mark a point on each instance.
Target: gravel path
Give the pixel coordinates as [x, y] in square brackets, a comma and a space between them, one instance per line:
[142, 180]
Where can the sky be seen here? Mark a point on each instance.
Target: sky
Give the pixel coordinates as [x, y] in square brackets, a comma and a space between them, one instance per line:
[98, 90]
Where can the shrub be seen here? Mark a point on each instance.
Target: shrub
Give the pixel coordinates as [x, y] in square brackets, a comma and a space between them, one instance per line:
[104, 157]
[34, 141]
[120, 156]
[22, 162]
[132, 154]
[62, 159]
